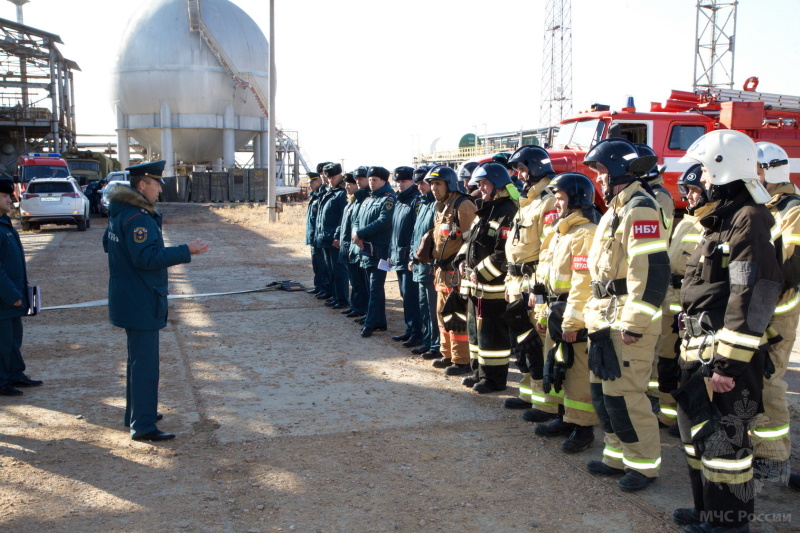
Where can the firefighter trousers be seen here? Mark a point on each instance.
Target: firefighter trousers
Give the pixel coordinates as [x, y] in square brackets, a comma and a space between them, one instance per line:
[721, 462]
[666, 370]
[489, 347]
[631, 429]
[771, 438]
[575, 394]
[453, 345]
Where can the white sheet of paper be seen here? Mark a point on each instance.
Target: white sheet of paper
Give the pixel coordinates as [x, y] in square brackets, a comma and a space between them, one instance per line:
[383, 264]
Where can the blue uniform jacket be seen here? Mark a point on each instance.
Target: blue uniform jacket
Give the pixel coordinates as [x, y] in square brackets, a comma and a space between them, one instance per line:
[137, 261]
[311, 215]
[361, 195]
[345, 231]
[331, 209]
[426, 211]
[375, 224]
[402, 227]
[13, 275]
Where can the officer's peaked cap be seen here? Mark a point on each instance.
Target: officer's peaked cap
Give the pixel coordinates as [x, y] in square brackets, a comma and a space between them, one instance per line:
[152, 169]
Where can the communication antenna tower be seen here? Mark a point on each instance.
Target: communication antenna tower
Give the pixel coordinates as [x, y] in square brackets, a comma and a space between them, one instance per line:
[556, 100]
[714, 44]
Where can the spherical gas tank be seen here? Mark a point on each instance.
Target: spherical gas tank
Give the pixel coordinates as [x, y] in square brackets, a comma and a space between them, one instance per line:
[162, 61]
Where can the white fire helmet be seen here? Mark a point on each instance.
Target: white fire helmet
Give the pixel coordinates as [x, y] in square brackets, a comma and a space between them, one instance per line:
[726, 156]
[775, 162]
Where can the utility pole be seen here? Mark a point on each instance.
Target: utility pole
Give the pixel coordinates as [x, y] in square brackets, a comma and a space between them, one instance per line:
[714, 44]
[556, 98]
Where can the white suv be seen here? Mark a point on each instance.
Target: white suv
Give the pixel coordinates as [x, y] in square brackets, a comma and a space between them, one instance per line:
[53, 201]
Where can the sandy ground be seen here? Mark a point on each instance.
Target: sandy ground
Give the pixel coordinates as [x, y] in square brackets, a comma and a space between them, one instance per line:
[286, 419]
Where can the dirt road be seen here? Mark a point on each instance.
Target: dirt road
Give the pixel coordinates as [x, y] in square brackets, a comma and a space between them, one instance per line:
[286, 419]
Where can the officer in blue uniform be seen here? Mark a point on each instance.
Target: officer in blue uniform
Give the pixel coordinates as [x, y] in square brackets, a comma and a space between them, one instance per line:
[326, 287]
[317, 256]
[328, 222]
[358, 286]
[405, 213]
[359, 277]
[372, 236]
[137, 288]
[13, 299]
[422, 272]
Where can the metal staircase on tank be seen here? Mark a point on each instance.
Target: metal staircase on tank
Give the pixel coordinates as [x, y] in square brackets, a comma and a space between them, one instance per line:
[242, 79]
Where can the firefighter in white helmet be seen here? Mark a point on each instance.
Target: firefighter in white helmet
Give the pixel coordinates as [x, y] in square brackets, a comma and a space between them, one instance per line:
[685, 237]
[771, 439]
[732, 283]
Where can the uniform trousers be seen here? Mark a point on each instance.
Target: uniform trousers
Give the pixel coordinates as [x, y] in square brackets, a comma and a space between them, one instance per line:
[771, 437]
[631, 429]
[427, 311]
[359, 291]
[721, 471]
[575, 394]
[141, 388]
[489, 346]
[318, 265]
[667, 370]
[410, 294]
[337, 273]
[376, 307]
[12, 367]
[453, 345]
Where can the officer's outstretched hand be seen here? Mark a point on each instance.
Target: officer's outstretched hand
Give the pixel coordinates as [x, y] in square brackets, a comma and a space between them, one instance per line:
[197, 247]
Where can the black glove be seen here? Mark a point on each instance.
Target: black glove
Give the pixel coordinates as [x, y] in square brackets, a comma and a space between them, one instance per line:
[548, 374]
[532, 350]
[554, 321]
[454, 312]
[769, 365]
[602, 356]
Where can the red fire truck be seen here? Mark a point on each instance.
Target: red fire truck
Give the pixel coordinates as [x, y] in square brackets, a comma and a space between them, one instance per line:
[32, 166]
[670, 129]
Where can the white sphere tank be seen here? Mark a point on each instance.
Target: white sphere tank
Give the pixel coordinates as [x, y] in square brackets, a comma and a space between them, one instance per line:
[162, 62]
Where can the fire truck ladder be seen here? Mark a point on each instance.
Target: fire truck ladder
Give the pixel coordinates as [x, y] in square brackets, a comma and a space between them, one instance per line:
[778, 102]
[242, 79]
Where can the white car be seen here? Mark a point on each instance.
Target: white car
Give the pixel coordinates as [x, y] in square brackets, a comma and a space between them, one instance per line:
[118, 175]
[107, 189]
[54, 201]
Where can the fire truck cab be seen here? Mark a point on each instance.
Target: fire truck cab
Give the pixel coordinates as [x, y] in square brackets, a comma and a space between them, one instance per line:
[671, 129]
[31, 166]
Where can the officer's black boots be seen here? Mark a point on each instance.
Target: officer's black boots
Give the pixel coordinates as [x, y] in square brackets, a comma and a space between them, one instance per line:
[556, 428]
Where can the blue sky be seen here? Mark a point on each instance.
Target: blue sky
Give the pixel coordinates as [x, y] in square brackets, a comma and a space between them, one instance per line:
[370, 82]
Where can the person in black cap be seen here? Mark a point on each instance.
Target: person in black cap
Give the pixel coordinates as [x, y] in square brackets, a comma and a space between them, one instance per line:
[328, 222]
[405, 214]
[317, 256]
[137, 288]
[359, 276]
[326, 288]
[372, 236]
[13, 300]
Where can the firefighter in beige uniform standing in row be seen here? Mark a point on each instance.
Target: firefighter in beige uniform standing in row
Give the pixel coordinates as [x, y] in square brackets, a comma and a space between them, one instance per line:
[565, 274]
[630, 269]
[455, 212]
[771, 439]
[684, 240]
[537, 209]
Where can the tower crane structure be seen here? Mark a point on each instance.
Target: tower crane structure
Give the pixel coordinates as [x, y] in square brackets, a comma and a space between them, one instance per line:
[556, 97]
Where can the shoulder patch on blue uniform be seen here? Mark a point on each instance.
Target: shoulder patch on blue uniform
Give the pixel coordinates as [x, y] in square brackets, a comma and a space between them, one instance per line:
[389, 204]
[140, 234]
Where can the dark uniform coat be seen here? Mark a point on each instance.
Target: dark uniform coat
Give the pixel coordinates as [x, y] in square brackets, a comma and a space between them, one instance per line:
[314, 198]
[331, 208]
[138, 261]
[375, 224]
[13, 276]
[426, 211]
[403, 227]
